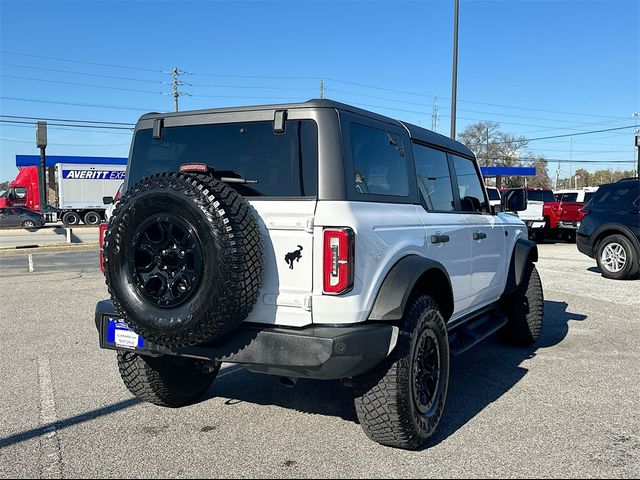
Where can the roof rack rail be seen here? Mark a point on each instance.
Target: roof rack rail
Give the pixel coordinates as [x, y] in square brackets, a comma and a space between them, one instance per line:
[628, 179]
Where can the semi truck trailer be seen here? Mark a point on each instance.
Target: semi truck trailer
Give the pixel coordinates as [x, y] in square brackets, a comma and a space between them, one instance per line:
[78, 191]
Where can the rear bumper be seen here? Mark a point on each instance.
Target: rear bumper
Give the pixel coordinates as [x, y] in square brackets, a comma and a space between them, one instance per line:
[326, 353]
[584, 245]
[535, 224]
[569, 225]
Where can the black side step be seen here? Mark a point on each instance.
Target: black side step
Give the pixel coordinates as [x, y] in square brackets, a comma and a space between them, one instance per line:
[465, 336]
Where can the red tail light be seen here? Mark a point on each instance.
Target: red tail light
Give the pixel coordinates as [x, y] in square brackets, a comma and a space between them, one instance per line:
[339, 260]
[101, 233]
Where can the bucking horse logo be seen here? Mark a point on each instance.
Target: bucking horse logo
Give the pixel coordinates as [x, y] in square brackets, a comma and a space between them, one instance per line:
[295, 255]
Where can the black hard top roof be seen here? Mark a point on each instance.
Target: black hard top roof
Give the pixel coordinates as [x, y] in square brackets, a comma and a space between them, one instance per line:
[415, 132]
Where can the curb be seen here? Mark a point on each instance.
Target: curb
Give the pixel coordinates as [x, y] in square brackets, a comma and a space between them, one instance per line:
[50, 248]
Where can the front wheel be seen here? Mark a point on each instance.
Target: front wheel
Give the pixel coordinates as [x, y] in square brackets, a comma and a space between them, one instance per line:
[616, 258]
[165, 381]
[28, 224]
[400, 402]
[525, 310]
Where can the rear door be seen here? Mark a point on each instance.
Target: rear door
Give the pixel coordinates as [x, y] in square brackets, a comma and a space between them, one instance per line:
[281, 169]
[485, 231]
[446, 228]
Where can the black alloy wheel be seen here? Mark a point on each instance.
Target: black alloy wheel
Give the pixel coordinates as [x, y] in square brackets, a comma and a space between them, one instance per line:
[167, 263]
[426, 371]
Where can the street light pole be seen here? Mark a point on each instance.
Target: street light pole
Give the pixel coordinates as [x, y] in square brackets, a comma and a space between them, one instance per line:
[454, 80]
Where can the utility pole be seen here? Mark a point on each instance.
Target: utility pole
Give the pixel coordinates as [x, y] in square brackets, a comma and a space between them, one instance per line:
[570, 161]
[435, 116]
[41, 143]
[454, 79]
[487, 151]
[175, 84]
[321, 88]
[638, 154]
[557, 175]
[637, 132]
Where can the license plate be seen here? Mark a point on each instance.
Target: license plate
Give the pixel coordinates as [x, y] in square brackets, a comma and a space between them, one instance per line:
[122, 335]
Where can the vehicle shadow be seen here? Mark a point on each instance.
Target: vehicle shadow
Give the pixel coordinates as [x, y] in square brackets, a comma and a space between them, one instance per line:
[478, 378]
[597, 270]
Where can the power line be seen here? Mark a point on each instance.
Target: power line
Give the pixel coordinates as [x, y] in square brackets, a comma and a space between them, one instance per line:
[77, 125]
[77, 84]
[579, 133]
[315, 78]
[19, 99]
[65, 120]
[116, 77]
[68, 144]
[6, 52]
[87, 129]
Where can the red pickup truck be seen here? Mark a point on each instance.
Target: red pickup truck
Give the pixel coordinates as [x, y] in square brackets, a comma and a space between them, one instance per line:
[570, 214]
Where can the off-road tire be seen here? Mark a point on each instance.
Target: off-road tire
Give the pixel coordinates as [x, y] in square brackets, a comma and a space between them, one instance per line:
[230, 264]
[525, 310]
[165, 381]
[384, 397]
[631, 265]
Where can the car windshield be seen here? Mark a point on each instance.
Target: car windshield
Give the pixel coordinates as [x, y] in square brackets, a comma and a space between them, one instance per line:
[284, 164]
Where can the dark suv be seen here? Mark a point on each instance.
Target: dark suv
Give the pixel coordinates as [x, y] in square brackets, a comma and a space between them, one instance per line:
[610, 230]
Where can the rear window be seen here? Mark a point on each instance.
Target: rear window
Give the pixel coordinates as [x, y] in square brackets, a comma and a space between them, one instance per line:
[588, 196]
[541, 196]
[615, 196]
[493, 194]
[570, 197]
[284, 165]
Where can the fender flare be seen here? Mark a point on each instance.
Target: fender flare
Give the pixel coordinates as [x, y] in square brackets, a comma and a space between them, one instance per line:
[523, 252]
[397, 286]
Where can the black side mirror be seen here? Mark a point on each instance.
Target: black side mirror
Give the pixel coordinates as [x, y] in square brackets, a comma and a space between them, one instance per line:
[514, 200]
[107, 200]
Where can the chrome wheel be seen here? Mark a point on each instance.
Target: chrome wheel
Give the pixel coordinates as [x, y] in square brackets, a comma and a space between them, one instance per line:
[613, 257]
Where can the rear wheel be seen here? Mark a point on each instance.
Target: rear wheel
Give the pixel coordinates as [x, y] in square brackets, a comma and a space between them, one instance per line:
[400, 402]
[28, 224]
[165, 381]
[70, 219]
[616, 257]
[92, 218]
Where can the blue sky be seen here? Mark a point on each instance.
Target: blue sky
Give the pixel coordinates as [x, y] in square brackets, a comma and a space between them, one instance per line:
[539, 68]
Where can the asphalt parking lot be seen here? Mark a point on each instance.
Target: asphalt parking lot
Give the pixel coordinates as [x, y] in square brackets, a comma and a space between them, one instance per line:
[567, 407]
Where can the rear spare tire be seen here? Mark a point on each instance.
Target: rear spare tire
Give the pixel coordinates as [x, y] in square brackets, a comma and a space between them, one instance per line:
[183, 259]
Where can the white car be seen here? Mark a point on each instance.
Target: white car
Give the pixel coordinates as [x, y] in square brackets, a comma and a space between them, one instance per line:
[494, 196]
[313, 240]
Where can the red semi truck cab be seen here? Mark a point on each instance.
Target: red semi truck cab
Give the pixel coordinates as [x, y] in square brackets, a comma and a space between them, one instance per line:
[24, 191]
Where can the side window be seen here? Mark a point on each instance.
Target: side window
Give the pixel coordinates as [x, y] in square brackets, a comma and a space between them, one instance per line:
[379, 162]
[434, 179]
[469, 185]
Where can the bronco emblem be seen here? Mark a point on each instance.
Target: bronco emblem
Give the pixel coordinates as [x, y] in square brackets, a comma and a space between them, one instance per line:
[295, 255]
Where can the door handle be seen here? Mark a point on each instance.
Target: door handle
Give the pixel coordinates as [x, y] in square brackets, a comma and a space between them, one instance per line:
[479, 236]
[439, 238]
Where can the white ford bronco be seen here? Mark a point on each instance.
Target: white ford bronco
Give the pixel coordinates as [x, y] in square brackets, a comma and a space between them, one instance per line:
[313, 240]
